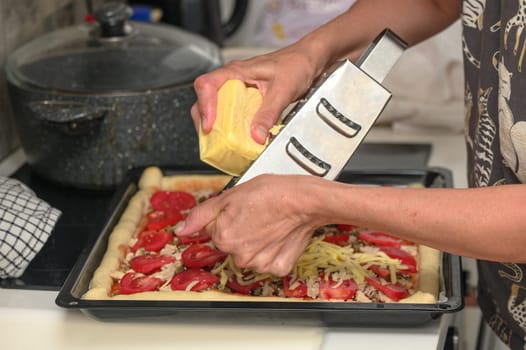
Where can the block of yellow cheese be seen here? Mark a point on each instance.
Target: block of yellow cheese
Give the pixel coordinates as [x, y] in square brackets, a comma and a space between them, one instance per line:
[229, 146]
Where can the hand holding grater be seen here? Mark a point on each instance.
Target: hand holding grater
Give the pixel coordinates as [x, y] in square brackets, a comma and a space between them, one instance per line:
[324, 129]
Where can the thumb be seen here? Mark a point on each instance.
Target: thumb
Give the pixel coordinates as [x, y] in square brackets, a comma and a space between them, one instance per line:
[198, 218]
[266, 117]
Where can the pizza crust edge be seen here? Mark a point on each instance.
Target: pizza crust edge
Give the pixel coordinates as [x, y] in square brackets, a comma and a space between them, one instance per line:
[152, 180]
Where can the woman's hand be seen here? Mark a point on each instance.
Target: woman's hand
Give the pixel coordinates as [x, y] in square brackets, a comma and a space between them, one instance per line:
[282, 77]
[265, 223]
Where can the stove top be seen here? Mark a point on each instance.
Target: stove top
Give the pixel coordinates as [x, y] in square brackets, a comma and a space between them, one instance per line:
[84, 212]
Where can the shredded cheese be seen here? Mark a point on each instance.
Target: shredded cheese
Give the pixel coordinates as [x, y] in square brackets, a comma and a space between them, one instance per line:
[331, 258]
[243, 276]
[191, 285]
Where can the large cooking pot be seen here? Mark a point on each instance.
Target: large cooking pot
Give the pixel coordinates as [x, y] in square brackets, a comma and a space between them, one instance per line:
[94, 100]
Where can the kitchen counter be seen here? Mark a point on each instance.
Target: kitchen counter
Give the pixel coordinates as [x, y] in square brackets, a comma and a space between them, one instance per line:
[31, 318]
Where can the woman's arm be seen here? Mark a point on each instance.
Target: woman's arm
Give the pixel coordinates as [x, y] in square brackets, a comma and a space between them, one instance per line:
[485, 223]
[266, 223]
[285, 75]
[349, 34]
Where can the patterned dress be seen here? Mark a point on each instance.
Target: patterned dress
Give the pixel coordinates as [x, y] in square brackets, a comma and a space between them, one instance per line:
[494, 45]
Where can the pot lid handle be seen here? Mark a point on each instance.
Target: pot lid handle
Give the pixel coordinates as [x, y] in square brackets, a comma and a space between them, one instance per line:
[112, 17]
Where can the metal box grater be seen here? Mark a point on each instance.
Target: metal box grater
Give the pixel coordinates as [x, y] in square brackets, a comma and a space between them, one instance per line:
[324, 129]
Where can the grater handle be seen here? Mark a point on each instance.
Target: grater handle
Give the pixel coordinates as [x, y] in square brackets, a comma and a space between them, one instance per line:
[337, 120]
[381, 55]
[307, 160]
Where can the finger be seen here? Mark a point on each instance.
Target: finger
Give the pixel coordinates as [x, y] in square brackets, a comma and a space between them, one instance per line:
[206, 87]
[206, 91]
[198, 218]
[273, 104]
[196, 117]
[270, 249]
[224, 235]
[262, 260]
[289, 253]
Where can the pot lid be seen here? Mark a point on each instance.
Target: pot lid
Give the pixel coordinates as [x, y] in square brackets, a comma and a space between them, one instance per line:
[113, 55]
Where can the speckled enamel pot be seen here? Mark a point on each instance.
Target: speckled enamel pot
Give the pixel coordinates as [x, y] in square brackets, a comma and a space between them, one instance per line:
[92, 140]
[92, 101]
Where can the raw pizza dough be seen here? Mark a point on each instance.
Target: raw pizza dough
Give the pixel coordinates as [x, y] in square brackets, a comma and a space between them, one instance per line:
[153, 180]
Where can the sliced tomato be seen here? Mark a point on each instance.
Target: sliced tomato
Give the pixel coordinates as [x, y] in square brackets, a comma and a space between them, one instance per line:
[407, 259]
[131, 283]
[342, 239]
[380, 239]
[392, 291]
[380, 271]
[198, 237]
[200, 255]
[234, 284]
[299, 290]
[149, 264]
[152, 241]
[155, 219]
[175, 200]
[331, 290]
[346, 227]
[158, 219]
[203, 279]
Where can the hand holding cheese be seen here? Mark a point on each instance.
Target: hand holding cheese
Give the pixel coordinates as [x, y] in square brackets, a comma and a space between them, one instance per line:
[229, 145]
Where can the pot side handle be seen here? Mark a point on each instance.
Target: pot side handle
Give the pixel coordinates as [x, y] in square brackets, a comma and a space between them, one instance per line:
[72, 118]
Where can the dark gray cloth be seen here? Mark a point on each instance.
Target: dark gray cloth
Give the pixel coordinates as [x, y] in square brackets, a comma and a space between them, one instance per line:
[495, 94]
[25, 225]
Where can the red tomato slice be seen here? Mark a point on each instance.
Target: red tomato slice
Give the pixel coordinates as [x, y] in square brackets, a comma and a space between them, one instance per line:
[198, 237]
[380, 239]
[380, 271]
[158, 220]
[204, 279]
[149, 264]
[155, 219]
[130, 283]
[152, 241]
[392, 291]
[330, 290]
[345, 227]
[299, 291]
[341, 239]
[406, 258]
[200, 255]
[241, 288]
[177, 200]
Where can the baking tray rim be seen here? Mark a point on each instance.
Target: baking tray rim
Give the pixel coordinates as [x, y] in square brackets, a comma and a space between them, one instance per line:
[67, 298]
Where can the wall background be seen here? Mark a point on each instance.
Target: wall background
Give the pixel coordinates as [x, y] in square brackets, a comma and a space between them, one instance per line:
[21, 21]
[427, 82]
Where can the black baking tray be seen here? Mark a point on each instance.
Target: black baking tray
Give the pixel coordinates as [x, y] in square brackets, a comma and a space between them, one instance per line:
[321, 313]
